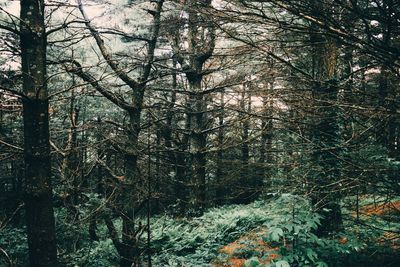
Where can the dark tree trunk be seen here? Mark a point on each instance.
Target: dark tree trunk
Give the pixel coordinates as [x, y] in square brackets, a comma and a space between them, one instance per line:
[244, 188]
[70, 165]
[176, 157]
[197, 139]
[179, 157]
[129, 198]
[266, 139]
[93, 228]
[201, 42]
[326, 155]
[220, 191]
[325, 133]
[38, 189]
[387, 129]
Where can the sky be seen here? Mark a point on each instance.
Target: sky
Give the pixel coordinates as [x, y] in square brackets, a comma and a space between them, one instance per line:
[13, 6]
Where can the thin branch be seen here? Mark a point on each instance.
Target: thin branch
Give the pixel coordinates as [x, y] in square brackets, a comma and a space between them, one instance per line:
[58, 150]
[106, 54]
[10, 145]
[4, 27]
[63, 26]
[77, 69]
[14, 92]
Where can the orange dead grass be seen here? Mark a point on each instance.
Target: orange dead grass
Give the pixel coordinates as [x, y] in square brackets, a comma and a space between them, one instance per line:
[389, 238]
[235, 262]
[231, 248]
[252, 239]
[381, 209]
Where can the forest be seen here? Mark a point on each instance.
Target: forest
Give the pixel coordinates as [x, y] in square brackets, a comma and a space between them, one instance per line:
[190, 133]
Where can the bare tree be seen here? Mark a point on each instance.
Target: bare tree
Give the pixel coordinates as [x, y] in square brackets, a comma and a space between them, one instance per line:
[128, 186]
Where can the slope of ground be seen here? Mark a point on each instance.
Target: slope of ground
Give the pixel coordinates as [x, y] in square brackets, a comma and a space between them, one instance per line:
[237, 252]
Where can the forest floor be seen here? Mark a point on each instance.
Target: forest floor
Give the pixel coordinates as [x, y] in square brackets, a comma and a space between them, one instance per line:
[234, 253]
[235, 250]
[380, 209]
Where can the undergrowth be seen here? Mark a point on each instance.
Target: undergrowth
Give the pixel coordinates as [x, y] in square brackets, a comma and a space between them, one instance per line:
[285, 223]
[195, 242]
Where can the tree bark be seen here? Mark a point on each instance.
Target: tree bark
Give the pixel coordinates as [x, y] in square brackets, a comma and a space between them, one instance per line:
[244, 188]
[70, 165]
[325, 132]
[197, 139]
[220, 191]
[201, 43]
[38, 188]
[266, 138]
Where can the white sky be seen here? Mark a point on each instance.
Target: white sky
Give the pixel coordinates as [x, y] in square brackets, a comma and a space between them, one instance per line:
[12, 6]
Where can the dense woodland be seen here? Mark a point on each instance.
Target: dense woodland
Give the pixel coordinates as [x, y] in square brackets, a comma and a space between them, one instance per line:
[199, 133]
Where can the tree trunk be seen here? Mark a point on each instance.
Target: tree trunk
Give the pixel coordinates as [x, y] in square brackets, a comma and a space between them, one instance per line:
[200, 37]
[325, 132]
[266, 139]
[177, 157]
[387, 127]
[197, 139]
[220, 191]
[129, 194]
[244, 188]
[70, 165]
[38, 188]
